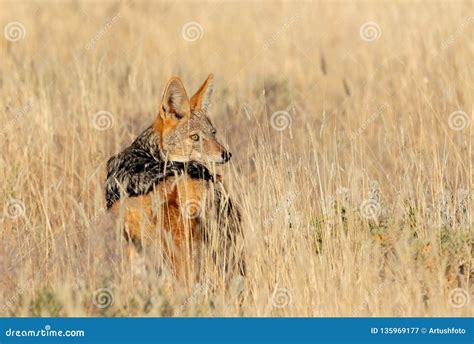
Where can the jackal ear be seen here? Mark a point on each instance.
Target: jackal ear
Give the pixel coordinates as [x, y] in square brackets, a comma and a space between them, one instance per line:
[175, 100]
[202, 99]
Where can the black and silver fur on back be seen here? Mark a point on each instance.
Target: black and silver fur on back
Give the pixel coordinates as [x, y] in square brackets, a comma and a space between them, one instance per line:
[139, 167]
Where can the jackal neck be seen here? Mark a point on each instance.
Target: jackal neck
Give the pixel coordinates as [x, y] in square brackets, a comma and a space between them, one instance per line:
[150, 141]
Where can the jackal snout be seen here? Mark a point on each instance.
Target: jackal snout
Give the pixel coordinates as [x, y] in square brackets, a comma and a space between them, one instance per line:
[187, 133]
[226, 156]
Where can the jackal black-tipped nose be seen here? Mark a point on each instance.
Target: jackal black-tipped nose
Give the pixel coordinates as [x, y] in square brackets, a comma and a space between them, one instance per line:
[226, 156]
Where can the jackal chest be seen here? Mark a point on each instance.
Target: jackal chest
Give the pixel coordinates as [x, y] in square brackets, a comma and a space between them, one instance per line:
[173, 210]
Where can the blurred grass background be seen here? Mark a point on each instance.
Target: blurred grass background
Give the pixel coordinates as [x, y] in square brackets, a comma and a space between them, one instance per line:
[360, 206]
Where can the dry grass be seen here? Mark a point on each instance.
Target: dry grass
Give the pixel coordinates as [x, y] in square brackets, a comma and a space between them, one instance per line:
[369, 125]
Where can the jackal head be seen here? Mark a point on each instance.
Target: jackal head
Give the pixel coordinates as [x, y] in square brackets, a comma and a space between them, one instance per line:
[185, 130]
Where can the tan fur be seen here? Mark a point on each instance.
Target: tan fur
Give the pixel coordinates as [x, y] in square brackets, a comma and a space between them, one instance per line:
[165, 218]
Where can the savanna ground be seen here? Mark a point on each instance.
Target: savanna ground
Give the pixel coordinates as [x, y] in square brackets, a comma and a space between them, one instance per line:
[350, 125]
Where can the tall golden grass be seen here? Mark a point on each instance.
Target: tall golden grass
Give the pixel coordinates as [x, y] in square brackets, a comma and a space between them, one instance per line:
[360, 204]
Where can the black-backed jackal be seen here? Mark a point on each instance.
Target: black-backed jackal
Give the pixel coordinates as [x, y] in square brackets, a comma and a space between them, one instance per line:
[164, 191]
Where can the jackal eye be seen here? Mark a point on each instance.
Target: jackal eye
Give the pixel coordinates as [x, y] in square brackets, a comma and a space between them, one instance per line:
[214, 131]
[195, 137]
